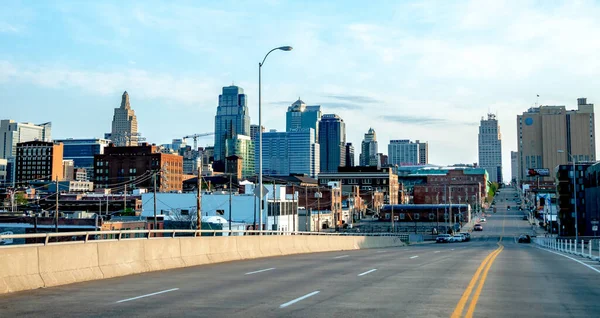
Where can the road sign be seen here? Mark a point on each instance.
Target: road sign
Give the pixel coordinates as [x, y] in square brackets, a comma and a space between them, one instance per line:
[595, 228]
[542, 172]
[257, 191]
[595, 222]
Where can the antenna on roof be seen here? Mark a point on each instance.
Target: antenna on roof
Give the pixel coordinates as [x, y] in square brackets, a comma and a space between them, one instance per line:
[537, 100]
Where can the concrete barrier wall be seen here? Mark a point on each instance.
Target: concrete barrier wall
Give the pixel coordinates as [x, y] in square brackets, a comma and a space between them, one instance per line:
[30, 267]
[19, 269]
[194, 251]
[68, 263]
[121, 258]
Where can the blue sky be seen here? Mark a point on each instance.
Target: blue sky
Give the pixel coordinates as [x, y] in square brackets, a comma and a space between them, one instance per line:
[425, 70]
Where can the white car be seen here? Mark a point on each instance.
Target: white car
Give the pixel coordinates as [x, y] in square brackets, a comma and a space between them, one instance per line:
[482, 220]
[458, 238]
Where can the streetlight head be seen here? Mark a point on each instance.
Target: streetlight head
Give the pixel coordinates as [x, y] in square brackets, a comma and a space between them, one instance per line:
[285, 48]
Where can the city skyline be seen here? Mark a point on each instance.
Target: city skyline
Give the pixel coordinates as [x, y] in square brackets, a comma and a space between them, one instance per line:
[101, 56]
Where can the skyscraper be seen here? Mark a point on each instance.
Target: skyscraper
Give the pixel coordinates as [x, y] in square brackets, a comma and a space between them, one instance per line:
[490, 148]
[242, 147]
[545, 130]
[423, 152]
[349, 155]
[290, 152]
[368, 154]
[254, 133]
[514, 166]
[12, 133]
[232, 119]
[332, 140]
[403, 152]
[301, 116]
[124, 125]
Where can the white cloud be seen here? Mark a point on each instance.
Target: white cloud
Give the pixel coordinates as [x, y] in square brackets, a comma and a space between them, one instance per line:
[8, 28]
[187, 90]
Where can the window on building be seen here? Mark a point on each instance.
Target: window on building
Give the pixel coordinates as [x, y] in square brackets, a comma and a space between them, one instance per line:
[402, 216]
[417, 216]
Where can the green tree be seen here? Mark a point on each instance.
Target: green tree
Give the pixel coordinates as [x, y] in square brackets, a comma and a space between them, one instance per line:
[20, 199]
[492, 189]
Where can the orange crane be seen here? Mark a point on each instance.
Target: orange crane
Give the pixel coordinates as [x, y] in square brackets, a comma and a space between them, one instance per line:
[196, 136]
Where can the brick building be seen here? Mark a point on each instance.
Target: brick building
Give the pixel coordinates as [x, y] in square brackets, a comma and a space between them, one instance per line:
[370, 180]
[38, 161]
[451, 185]
[136, 166]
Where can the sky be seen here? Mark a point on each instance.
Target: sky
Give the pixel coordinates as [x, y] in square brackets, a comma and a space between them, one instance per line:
[427, 70]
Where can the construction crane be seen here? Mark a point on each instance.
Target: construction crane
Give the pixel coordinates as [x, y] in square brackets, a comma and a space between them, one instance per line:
[196, 136]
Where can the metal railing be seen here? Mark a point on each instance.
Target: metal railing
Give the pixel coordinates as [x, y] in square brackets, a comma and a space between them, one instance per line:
[585, 248]
[7, 240]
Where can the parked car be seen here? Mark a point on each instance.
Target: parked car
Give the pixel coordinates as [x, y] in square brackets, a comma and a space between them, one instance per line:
[443, 238]
[524, 238]
[478, 227]
[508, 207]
[466, 235]
[525, 218]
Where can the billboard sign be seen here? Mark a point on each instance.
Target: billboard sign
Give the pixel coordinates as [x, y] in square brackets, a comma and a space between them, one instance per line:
[542, 172]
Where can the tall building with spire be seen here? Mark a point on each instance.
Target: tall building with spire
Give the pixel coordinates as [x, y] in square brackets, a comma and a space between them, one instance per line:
[232, 119]
[368, 154]
[124, 124]
[300, 116]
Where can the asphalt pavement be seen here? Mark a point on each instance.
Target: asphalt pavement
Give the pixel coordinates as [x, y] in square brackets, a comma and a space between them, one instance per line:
[491, 276]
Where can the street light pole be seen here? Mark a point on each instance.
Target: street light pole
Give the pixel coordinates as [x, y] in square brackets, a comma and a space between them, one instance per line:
[260, 161]
[575, 200]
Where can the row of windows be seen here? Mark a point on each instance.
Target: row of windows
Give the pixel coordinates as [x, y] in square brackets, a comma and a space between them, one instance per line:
[356, 181]
[461, 178]
[453, 189]
[34, 151]
[415, 216]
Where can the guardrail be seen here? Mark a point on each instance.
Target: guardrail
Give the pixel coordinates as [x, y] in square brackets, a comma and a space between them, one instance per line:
[581, 248]
[84, 237]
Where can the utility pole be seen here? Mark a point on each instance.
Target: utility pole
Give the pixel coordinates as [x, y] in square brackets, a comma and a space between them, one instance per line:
[445, 204]
[450, 206]
[125, 200]
[294, 209]
[392, 216]
[437, 211]
[56, 211]
[275, 207]
[230, 190]
[154, 195]
[199, 200]
[319, 211]
[308, 216]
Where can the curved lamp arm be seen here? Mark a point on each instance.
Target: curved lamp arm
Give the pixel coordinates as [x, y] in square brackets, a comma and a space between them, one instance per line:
[283, 48]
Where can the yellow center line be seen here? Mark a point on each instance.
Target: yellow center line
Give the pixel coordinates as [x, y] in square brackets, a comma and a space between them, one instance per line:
[487, 263]
[473, 303]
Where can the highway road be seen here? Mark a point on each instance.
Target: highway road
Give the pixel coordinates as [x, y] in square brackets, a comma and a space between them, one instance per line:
[491, 276]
